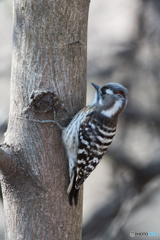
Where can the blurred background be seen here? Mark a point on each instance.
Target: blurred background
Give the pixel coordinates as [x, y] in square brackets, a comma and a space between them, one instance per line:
[123, 193]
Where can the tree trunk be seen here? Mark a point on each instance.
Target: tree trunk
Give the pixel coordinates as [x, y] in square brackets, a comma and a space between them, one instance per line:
[48, 73]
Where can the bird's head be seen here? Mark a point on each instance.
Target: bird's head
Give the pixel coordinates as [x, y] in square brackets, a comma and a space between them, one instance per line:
[111, 98]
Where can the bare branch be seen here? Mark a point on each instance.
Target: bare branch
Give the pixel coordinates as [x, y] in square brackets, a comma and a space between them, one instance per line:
[143, 174]
[121, 218]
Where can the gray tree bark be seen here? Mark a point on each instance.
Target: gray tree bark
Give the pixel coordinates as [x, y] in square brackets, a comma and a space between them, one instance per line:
[48, 72]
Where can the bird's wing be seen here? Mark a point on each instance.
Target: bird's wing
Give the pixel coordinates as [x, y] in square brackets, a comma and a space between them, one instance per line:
[94, 139]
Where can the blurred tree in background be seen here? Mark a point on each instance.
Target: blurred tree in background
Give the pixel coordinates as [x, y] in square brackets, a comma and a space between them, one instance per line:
[122, 194]
[133, 60]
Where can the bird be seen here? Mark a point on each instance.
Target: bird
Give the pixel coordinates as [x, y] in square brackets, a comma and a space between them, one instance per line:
[90, 132]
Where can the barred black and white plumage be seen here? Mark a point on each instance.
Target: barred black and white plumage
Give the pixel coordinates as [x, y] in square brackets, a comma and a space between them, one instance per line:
[90, 132]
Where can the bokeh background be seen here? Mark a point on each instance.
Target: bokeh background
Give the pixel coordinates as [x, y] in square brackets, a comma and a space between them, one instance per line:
[123, 193]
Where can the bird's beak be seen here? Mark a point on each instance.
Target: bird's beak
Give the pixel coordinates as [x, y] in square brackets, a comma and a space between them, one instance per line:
[96, 87]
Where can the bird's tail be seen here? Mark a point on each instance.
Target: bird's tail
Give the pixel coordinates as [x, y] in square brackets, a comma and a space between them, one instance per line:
[73, 193]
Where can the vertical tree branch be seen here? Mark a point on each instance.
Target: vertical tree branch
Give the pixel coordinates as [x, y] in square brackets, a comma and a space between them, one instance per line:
[48, 72]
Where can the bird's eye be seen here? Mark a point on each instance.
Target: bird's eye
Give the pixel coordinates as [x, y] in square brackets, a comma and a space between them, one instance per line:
[103, 91]
[120, 93]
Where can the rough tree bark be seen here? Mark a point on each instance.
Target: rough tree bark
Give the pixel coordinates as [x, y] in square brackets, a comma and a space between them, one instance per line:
[48, 73]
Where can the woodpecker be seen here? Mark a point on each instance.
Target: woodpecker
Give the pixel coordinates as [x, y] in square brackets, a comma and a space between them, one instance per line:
[90, 132]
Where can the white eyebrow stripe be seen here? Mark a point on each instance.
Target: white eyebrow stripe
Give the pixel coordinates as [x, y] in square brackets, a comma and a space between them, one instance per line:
[109, 91]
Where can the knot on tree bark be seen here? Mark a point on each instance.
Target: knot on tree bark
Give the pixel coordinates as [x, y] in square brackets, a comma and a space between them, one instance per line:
[45, 101]
[7, 159]
[17, 175]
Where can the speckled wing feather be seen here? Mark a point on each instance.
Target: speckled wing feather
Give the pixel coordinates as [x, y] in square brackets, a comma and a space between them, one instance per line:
[95, 135]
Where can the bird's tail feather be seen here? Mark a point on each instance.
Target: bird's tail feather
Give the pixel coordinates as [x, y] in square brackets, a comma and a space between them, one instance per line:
[73, 193]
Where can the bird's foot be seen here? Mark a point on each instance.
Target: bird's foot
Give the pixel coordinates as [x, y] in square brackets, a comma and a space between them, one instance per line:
[53, 122]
